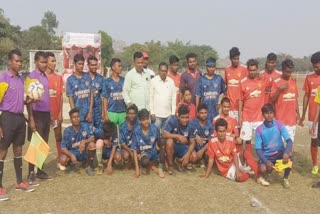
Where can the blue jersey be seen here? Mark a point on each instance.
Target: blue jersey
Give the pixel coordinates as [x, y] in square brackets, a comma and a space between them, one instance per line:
[126, 134]
[205, 132]
[71, 138]
[99, 135]
[113, 92]
[209, 91]
[97, 85]
[173, 126]
[80, 89]
[269, 139]
[142, 142]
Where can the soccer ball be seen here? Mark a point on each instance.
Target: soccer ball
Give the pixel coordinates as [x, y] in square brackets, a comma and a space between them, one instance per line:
[35, 90]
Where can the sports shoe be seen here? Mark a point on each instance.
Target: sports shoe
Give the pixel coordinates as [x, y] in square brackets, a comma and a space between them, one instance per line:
[3, 195]
[24, 186]
[160, 172]
[286, 183]
[43, 175]
[315, 170]
[189, 166]
[32, 181]
[90, 171]
[100, 170]
[262, 181]
[60, 167]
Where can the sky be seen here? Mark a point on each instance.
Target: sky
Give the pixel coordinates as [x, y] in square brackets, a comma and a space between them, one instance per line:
[256, 27]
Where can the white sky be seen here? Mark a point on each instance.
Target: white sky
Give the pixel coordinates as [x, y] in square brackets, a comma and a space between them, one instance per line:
[256, 27]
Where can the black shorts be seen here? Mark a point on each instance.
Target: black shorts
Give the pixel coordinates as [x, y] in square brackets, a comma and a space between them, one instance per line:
[14, 129]
[42, 121]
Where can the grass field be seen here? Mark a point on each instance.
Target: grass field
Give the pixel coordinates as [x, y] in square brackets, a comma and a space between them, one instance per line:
[182, 193]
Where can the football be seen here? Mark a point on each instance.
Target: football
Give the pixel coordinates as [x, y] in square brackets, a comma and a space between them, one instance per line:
[35, 90]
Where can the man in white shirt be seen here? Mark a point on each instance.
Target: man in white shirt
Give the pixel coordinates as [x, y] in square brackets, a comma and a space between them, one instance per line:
[146, 63]
[162, 97]
[136, 84]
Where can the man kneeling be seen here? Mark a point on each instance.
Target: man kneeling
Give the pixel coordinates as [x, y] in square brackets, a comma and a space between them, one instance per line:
[147, 145]
[78, 143]
[107, 146]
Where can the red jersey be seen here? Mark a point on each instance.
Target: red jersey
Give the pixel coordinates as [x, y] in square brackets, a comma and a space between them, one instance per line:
[286, 104]
[270, 77]
[176, 79]
[252, 95]
[223, 153]
[310, 85]
[232, 125]
[192, 110]
[56, 89]
[233, 76]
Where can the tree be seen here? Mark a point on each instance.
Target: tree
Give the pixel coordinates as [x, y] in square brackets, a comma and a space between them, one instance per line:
[49, 22]
[159, 52]
[106, 48]
[300, 64]
[9, 36]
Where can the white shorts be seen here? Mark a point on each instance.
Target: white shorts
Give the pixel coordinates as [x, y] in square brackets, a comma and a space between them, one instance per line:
[292, 131]
[247, 129]
[315, 135]
[232, 171]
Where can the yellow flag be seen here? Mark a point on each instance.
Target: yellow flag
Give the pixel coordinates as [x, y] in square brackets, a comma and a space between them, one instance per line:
[3, 89]
[38, 150]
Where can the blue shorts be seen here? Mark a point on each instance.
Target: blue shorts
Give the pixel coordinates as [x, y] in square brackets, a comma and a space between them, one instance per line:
[106, 153]
[180, 149]
[80, 156]
[275, 157]
[152, 154]
[197, 148]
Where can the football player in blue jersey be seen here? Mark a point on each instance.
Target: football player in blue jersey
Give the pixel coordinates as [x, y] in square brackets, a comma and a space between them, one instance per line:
[78, 143]
[147, 146]
[97, 85]
[180, 140]
[107, 146]
[126, 131]
[114, 107]
[79, 90]
[203, 129]
[209, 88]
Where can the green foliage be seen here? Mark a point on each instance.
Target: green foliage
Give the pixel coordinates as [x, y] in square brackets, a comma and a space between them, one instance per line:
[300, 64]
[106, 48]
[159, 52]
[9, 36]
[49, 22]
[36, 37]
